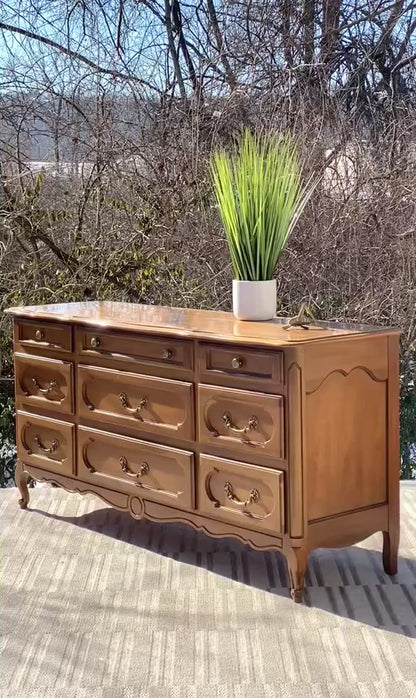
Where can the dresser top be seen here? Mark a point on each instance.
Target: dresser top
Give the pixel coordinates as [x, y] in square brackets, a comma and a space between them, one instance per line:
[186, 322]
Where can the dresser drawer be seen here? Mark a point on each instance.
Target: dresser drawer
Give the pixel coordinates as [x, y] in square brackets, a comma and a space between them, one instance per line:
[153, 472]
[152, 405]
[246, 495]
[44, 382]
[135, 347]
[45, 443]
[245, 421]
[244, 365]
[46, 335]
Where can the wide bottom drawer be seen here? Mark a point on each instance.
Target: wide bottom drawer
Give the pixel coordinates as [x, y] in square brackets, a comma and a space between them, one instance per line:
[144, 469]
[247, 495]
[45, 443]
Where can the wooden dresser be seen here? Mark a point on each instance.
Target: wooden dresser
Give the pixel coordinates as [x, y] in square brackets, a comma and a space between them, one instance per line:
[287, 439]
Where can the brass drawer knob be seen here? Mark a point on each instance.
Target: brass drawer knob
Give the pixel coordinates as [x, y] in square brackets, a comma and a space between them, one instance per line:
[252, 424]
[39, 335]
[167, 354]
[237, 362]
[253, 497]
[95, 342]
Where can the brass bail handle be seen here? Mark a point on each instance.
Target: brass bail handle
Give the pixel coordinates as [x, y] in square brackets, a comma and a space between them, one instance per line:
[45, 391]
[51, 449]
[133, 410]
[143, 470]
[253, 497]
[252, 424]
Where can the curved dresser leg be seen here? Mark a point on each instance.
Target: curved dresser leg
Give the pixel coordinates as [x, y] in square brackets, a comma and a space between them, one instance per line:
[390, 550]
[297, 560]
[21, 478]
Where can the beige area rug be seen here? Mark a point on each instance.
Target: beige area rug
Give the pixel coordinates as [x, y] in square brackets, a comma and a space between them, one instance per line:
[96, 604]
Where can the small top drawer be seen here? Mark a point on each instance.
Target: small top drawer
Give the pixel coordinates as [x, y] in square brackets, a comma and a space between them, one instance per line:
[135, 347]
[245, 366]
[44, 335]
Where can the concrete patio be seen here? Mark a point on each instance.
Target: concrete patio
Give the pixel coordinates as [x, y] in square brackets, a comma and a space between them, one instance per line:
[96, 604]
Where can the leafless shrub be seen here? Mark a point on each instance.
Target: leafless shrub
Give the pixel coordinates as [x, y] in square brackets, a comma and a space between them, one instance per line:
[124, 101]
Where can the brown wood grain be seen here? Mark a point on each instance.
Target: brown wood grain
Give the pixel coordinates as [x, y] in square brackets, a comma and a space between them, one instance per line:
[43, 335]
[47, 443]
[167, 408]
[44, 383]
[260, 415]
[346, 444]
[150, 471]
[129, 347]
[187, 322]
[286, 439]
[254, 496]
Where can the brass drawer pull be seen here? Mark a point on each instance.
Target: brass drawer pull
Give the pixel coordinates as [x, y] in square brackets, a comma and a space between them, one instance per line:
[237, 362]
[51, 449]
[133, 410]
[253, 497]
[45, 391]
[95, 342]
[144, 468]
[167, 354]
[39, 335]
[253, 423]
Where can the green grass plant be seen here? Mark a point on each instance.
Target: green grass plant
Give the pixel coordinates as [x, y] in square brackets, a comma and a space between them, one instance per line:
[260, 195]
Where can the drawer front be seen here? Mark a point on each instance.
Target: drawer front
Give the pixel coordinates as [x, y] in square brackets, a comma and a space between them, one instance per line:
[45, 443]
[146, 470]
[153, 405]
[44, 382]
[135, 347]
[247, 422]
[246, 495]
[247, 365]
[44, 335]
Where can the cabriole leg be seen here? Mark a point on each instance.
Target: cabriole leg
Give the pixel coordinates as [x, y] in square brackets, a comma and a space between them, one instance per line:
[297, 559]
[21, 478]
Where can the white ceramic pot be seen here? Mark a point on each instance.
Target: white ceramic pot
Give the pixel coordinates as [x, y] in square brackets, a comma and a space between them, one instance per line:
[254, 300]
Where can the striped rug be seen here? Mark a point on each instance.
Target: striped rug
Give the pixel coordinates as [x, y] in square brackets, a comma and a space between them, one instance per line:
[97, 605]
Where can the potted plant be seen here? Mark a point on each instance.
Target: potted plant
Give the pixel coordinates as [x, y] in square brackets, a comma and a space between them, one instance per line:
[260, 196]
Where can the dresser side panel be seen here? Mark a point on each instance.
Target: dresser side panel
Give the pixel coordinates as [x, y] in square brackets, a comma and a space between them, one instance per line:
[346, 426]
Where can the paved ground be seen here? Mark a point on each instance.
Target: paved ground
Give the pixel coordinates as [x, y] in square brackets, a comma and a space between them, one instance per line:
[96, 604]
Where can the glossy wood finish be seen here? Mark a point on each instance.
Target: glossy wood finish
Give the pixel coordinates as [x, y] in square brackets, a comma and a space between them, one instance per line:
[244, 421]
[152, 405]
[352, 465]
[152, 472]
[249, 495]
[46, 443]
[391, 533]
[207, 325]
[43, 335]
[130, 347]
[287, 439]
[248, 368]
[296, 446]
[44, 383]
